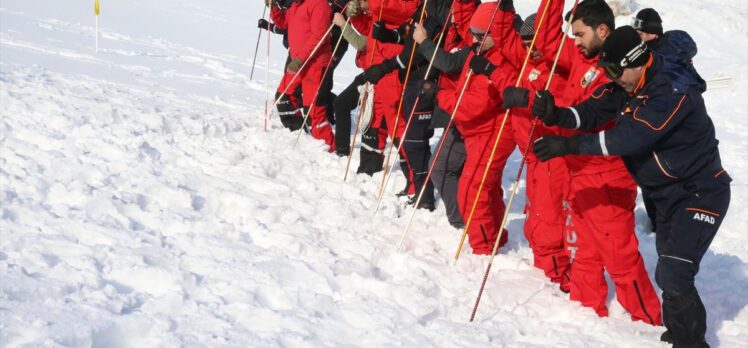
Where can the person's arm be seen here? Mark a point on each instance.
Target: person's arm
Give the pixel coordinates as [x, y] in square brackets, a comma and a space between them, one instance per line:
[278, 16]
[448, 63]
[349, 32]
[597, 110]
[637, 131]
[508, 40]
[549, 34]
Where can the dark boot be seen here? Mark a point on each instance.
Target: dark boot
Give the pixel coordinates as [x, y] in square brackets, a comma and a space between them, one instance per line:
[667, 337]
[289, 112]
[685, 318]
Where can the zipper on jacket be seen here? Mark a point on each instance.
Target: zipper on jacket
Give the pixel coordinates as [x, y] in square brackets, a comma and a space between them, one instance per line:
[662, 168]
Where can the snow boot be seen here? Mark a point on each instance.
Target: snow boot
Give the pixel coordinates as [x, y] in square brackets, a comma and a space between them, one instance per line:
[684, 317]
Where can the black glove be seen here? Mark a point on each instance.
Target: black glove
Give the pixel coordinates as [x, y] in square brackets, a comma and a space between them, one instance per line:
[545, 108]
[377, 72]
[515, 97]
[506, 5]
[481, 65]
[551, 146]
[428, 89]
[264, 24]
[382, 34]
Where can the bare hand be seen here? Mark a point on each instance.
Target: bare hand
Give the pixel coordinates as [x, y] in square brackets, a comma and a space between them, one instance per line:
[419, 33]
[338, 19]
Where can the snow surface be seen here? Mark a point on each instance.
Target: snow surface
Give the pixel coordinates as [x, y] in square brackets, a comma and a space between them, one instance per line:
[143, 204]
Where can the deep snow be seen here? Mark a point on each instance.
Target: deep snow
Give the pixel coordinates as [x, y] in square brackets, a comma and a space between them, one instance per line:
[143, 204]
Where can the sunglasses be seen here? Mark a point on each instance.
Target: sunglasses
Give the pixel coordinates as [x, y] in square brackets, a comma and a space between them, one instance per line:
[478, 36]
[637, 23]
[612, 71]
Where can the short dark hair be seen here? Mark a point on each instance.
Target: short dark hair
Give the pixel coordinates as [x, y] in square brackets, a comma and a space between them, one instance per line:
[593, 13]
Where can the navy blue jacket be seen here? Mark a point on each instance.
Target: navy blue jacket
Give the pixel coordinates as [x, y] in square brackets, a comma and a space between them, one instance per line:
[662, 132]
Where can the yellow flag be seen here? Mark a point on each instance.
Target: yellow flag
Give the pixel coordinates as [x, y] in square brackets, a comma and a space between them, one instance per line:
[96, 7]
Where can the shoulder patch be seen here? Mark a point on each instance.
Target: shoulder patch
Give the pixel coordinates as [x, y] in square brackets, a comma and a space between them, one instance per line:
[590, 76]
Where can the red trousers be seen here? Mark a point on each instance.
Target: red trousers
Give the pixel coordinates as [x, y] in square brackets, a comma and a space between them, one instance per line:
[547, 188]
[489, 210]
[310, 80]
[387, 94]
[602, 223]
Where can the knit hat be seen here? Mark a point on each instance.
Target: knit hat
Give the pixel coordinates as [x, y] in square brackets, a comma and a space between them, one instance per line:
[482, 17]
[623, 49]
[648, 21]
[528, 28]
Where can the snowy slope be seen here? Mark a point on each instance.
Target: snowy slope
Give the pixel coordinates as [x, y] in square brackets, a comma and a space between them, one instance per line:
[143, 204]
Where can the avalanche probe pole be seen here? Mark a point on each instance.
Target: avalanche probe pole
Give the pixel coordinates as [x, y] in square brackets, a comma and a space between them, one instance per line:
[267, 76]
[257, 47]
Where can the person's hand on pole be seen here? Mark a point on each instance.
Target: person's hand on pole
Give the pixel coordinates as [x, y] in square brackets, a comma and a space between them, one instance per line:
[544, 107]
[294, 65]
[515, 97]
[338, 19]
[551, 146]
[264, 24]
[481, 65]
[381, 33]
[419, 33]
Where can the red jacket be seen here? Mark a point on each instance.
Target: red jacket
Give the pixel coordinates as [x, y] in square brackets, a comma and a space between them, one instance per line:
[584, 77]
[306, 21]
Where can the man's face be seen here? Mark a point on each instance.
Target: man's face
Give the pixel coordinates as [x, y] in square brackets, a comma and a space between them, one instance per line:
[646, 37]
[630, 78]
[364, 5]
[535, 55]
[589, 41]
[486, 45]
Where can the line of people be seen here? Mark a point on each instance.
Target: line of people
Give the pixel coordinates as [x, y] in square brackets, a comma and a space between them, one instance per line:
[621, 110]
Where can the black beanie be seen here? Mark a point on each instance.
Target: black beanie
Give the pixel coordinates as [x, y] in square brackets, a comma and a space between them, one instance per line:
[650, 21]
[528, 28]
[620, 49]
